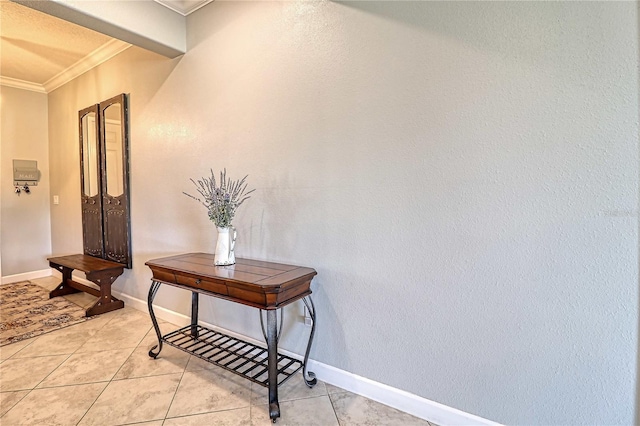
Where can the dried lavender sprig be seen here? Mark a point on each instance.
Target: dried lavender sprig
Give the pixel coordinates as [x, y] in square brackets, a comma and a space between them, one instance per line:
[221, 201]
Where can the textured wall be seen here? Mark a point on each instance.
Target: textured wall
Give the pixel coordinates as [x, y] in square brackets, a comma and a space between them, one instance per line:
[463, 176]
[26, 224]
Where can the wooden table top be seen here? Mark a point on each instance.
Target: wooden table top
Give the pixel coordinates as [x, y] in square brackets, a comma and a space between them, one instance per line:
[85, 263]
[257, 283]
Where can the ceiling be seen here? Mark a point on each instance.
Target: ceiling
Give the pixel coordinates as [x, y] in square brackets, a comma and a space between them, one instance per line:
[183, 7]
[40, 52]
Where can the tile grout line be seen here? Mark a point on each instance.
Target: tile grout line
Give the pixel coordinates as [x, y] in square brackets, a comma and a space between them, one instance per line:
[93, 403]
[33, 339]
[43, 379]
[17, 402]
[31, 343]
[122, 318]
[109, 382]
[175, 392]
[201, 414]
[333, 407]
[174, 396]
[51, 372]
[103, 389]
[129, 357]
[164, 418]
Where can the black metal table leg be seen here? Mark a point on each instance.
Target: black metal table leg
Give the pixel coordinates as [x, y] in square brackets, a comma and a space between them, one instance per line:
[194, 314]
[155, 285]
[272, 359]
[308, 376]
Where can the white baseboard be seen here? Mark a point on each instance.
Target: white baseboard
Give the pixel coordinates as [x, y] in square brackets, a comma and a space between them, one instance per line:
[26, 276]
[393, 397]
[401, 400]
[404, 401]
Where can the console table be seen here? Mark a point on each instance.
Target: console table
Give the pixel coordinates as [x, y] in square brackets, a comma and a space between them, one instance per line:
[264, 285]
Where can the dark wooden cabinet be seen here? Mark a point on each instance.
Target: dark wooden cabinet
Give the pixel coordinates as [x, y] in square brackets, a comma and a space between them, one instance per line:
[104, 165]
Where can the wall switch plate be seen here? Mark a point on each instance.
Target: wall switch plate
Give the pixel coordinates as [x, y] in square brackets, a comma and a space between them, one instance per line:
[307, 317]
[56, 199]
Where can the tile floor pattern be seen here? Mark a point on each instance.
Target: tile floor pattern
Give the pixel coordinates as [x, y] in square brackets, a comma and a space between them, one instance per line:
[98, 373]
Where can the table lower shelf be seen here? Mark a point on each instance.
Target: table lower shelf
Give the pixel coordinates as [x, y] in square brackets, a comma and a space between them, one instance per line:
[233, 354]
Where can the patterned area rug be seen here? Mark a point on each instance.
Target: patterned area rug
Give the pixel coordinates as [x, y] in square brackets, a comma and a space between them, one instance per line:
[26, 311]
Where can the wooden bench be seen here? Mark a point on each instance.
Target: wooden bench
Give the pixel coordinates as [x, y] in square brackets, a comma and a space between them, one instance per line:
[99, 271]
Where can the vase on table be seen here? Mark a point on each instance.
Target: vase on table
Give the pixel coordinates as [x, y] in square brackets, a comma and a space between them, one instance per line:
[224, 246]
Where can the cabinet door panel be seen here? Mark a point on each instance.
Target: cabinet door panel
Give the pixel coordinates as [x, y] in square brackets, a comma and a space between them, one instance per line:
[90, 193]
[104, 177]
[115, 179]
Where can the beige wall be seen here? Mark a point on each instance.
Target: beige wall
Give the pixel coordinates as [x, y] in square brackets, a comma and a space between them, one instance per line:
[136, 72]
[462, 175]
[26, 224]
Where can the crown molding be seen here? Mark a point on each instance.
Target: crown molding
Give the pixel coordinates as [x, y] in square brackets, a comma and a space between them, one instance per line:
[172, 4]
[21, 84]
[92, 60]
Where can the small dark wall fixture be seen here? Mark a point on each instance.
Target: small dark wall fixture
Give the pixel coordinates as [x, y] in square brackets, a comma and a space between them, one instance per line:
[104, 180]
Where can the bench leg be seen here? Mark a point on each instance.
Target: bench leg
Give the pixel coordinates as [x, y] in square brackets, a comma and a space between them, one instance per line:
[63, 288]
[106, 302]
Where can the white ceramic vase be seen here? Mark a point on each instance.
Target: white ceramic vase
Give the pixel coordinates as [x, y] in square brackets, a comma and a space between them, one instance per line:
[224, 246]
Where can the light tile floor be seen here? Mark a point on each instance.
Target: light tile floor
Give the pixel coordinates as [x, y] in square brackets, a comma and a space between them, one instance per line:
[99, 373]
